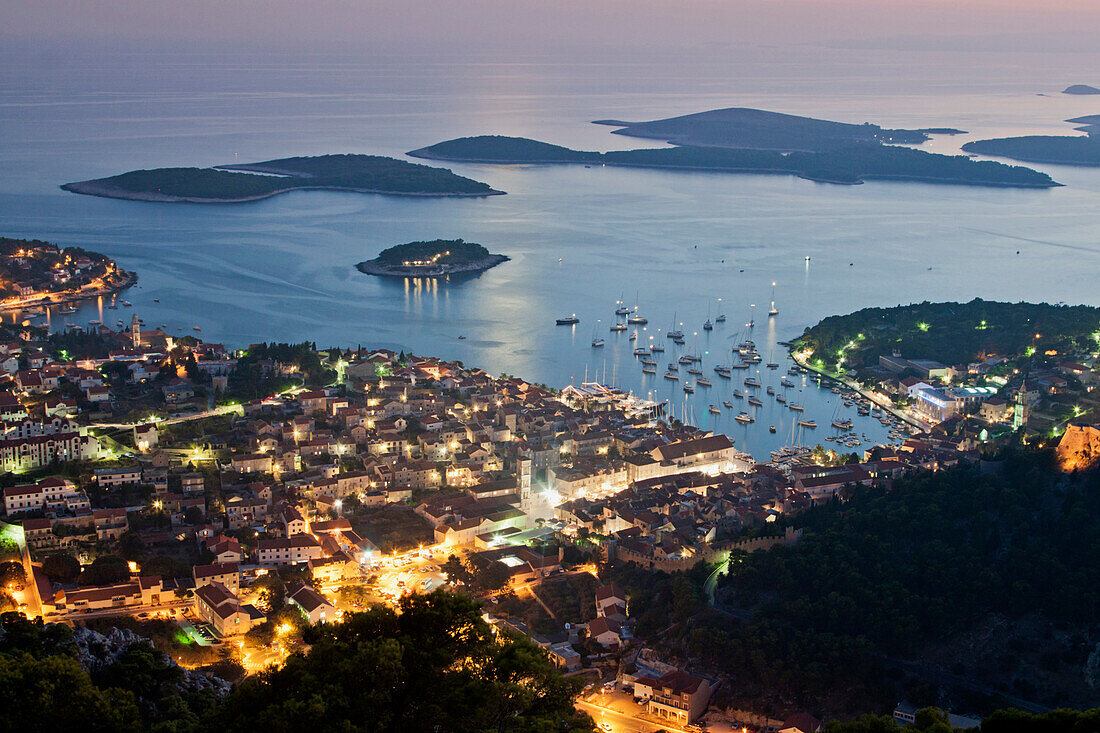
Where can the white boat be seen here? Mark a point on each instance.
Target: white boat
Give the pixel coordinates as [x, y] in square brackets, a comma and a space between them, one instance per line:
[713, 410]
[796, 407]
[702, 381]
[744, 418]
[807, 423]
[597, 343]
[688, 388]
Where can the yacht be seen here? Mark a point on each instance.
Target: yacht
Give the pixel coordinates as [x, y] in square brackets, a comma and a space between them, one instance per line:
[728, 404]
[770, 389]
[781, 399]
[713, 410]
[657, 349]
[619, 327]
[773, 311]
[786, 382]
[685, 359]
[641, 351]
[744, 418]
[720, 318]
[796, 407]
[723, 375]
[671, 375]
[694, 372]
[688, 388]
[738, 394]
[637, 320]
[752, 382]
[772, 365]
[648, 362]
[672, 367]
[702, 381]
[648, 370]
[755, 402]
[597, 342]
[807, 423]
[771, 428]
[621, 308]
[842, 424]
[722, 369]
[569, 320]
[707, 325]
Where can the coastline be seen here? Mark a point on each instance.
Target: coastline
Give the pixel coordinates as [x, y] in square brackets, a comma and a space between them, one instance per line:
[762, 171]
[93, 188]
[48, 301]
[373, 267]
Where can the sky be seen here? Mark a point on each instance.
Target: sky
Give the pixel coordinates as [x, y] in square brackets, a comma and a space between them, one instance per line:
[336, 25]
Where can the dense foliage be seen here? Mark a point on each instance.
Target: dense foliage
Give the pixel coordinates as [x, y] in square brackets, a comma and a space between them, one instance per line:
[850, 163]
[892, 574]
[952, 333]
[355, 172]
[435, 666]
[1060, 149]
[931, 720]
[446, 252]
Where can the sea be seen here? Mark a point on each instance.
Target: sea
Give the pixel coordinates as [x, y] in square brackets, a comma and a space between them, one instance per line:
[680, 246]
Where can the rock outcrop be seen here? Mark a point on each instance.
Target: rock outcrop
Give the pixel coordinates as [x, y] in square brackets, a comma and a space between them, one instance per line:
[1079, 448]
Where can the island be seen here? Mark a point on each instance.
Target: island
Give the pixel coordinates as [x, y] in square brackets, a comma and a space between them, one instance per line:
[36, 274]
[254, 181]
[742, 127]
[850, 163]
[437, 258]
[1055, 149]
[1080, 89]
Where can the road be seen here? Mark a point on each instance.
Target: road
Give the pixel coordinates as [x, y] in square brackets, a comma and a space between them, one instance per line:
[621, 722]
[216, 412]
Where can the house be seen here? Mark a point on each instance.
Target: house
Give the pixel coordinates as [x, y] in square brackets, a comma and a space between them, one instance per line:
[293, 522]
[145, 591]
[145, 436]
[110, 524]
[177, 391]
[605, 632]
[110, 478]
[221, 608]
[224, 549]
[676, 696]
[293, 550]
[228, 574]
[800, 723]
[314, 606]
[609, 599]
[252, 463]
[333, 569]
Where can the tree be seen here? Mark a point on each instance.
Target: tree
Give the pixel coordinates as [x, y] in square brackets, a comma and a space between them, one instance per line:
[455, 571]
[436, 665]
[12, 576]
[61, 567]
[105, 570]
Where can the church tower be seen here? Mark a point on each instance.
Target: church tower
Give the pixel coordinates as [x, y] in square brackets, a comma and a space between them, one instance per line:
[135, 329]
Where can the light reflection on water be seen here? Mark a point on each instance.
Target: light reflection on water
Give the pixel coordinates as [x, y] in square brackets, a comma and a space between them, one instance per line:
[283, 268]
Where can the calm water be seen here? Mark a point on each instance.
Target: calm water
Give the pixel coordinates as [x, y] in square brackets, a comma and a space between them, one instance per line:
[676, 242]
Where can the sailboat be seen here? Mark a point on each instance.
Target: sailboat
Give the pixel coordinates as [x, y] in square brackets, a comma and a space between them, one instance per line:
[707, 325]
[621, 308]
[675, 333]
[636, 319]
[721, 317]
[774, 311]
[597, 342]
[752, 321]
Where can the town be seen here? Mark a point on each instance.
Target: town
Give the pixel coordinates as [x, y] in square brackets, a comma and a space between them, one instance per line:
[224, 500]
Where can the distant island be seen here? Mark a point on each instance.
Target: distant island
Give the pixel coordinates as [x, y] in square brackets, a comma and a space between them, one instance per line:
[254, 181]
[848, 163]
[1056, 149]
[1080, 89]
[742, 127]
[437, 258]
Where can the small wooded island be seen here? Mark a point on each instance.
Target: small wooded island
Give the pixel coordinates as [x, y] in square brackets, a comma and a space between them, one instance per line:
[1080, 89]
[254, 181]
[438, 258]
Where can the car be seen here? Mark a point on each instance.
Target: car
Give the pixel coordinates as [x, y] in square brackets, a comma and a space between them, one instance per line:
[605, 727]
[143, 614]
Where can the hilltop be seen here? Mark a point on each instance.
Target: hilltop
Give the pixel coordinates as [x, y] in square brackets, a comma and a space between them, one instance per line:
[742, 127]
[254, 181]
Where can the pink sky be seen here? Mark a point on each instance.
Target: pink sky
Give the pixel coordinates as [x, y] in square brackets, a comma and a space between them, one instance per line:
[543, 23]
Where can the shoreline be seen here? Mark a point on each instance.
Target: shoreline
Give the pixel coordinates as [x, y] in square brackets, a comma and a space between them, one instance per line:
[50, 302]
[92, 188]
[373, 267]
[855, 387]
[762, 171]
